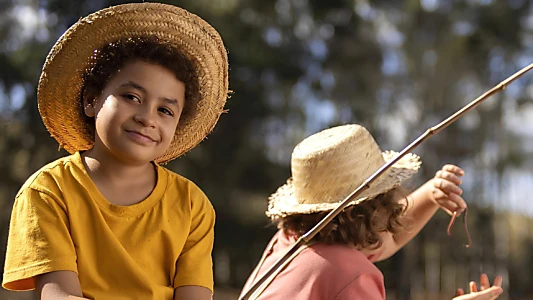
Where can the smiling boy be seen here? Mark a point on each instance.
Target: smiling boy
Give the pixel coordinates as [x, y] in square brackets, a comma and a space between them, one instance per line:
[123, 90]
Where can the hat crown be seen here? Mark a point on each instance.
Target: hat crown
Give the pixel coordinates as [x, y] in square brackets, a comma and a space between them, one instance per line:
[329, 165]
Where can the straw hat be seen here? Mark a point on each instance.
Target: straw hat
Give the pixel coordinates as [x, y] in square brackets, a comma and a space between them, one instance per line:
[61, 83]
[329, 165]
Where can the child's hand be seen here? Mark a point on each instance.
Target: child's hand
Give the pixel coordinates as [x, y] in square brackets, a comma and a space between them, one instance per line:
[446, 191]
[487, 292]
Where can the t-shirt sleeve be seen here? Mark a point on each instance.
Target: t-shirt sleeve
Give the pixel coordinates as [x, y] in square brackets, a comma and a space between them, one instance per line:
[39, 240]
[366, 286]
[195, 264]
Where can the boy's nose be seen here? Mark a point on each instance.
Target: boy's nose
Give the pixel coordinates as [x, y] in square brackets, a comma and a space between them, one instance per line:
[145, 117]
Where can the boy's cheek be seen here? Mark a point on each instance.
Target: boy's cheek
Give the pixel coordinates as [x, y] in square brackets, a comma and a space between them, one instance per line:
[167, 139]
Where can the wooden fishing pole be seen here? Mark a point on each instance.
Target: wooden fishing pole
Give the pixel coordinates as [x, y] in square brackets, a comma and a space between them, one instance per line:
[306, 238]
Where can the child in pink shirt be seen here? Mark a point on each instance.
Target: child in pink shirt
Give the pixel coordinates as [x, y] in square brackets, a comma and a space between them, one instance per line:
[339, 263]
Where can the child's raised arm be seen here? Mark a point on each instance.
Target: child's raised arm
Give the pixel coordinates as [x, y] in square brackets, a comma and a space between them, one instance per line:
[441, 191]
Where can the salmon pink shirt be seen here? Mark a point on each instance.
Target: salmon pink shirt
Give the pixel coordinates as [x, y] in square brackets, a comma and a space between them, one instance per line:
[320, 272]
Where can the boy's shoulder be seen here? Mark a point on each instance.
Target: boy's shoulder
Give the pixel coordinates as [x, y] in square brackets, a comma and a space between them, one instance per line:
[176, 180]
[47, 178]
[190, 194]
[180, 185]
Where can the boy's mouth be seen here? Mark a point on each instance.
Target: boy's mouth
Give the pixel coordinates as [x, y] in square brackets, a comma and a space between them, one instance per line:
[140, 137]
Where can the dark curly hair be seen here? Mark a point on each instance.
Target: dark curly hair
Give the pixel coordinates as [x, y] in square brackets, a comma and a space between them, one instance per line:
[108, 60]
[358, 225]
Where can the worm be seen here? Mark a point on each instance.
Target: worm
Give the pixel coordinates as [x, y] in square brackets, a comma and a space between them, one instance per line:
[452, 221]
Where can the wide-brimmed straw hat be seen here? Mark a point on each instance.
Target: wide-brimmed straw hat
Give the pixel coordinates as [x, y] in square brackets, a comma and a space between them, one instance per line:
[61, 82]
[329, 165]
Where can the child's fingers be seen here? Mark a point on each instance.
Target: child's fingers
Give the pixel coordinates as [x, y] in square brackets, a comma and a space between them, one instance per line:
[498, 281]
[473, 287]
[447, 210]
[449, 203]
[484, 282]
[453, 203]
[449, 176]
[450, 207]
[446, 186]
[454, 169]
[458, 201]
[459, 292]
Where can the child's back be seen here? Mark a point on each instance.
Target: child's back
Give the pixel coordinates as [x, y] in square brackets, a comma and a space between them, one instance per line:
[320, 272]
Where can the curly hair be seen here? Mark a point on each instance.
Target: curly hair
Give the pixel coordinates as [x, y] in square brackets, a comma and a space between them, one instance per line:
[108, 60]
[358, 225]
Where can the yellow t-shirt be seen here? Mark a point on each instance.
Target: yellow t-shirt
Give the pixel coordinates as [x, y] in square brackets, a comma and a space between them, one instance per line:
[60, 221]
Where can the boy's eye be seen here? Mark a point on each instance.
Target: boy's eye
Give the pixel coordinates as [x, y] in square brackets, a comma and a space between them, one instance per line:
[166, 111]
[132, 97]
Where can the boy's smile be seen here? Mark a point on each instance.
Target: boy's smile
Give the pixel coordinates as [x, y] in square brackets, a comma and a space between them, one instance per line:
[139, 137]
[137, 113]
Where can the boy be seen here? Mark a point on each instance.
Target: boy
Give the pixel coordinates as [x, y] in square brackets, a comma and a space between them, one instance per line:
[326, 168]
[123, 90]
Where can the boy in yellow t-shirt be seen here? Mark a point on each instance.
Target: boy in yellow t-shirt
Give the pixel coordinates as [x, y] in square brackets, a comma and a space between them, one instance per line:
[123, 90]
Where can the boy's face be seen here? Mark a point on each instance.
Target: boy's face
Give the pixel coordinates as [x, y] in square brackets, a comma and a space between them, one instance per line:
[137, 113]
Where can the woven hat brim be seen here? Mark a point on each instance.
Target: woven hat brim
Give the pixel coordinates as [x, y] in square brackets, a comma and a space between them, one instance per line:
[284, 202]
[61, 83]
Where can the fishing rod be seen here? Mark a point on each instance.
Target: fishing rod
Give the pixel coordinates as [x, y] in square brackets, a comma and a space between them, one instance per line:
[306, 238]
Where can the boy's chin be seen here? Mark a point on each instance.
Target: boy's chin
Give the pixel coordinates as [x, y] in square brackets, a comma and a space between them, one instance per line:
[138, 156]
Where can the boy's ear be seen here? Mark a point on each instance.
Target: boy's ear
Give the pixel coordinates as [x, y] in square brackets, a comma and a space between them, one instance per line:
[89, 101]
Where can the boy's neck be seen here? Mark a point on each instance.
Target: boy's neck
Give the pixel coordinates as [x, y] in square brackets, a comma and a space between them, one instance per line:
[110, 168]
[120, 183]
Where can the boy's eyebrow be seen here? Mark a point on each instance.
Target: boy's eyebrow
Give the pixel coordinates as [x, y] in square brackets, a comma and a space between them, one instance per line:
[137, 86]
[170, 101]
[134, 85]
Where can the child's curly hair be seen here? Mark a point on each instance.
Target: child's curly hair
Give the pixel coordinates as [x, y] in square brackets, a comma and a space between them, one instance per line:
[358, 225]
[108, 60]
